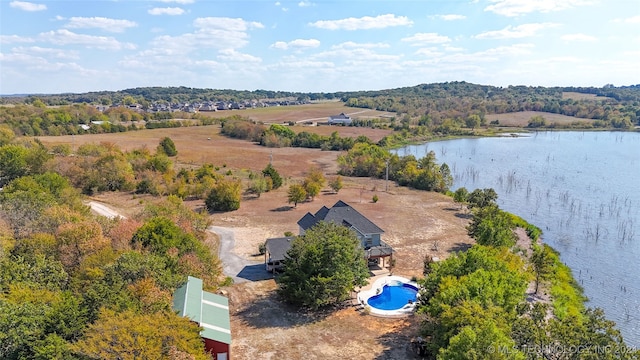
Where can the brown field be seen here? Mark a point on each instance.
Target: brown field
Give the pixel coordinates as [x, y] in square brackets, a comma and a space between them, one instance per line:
[194, 146]
[581, 96]
[301, 113]
[521, 118]
[416, 223]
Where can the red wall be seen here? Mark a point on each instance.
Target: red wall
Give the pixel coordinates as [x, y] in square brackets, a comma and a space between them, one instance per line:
[215, 347]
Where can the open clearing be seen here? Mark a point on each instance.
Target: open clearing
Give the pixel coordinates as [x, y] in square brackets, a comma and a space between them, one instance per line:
[521, 118]
[300, 113]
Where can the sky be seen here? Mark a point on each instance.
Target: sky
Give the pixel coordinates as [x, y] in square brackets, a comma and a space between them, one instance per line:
[50, 47]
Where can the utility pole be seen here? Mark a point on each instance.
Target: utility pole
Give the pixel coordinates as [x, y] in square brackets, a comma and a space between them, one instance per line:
[386, 180]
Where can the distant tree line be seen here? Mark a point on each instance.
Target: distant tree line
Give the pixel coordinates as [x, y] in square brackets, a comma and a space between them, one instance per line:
[277, 135]
[435, 103]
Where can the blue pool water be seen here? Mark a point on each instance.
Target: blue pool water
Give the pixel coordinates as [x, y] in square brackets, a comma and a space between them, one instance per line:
[393, 297]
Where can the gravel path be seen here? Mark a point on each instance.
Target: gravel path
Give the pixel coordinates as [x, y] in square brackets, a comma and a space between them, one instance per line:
[237, 267]
[104, 210]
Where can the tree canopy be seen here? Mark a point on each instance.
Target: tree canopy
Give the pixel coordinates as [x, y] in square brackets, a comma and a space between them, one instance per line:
[323, 266]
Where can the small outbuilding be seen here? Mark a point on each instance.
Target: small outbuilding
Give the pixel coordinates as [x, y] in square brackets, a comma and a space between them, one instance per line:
[341, 119]
[210, 311]
[276, 251]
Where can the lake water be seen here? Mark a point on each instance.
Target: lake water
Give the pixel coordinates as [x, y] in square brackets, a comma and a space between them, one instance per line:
[582, 189]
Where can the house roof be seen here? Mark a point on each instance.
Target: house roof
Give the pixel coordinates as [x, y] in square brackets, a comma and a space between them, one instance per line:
[210, 311]
[343, 214]
[342, 116]
[278, 247]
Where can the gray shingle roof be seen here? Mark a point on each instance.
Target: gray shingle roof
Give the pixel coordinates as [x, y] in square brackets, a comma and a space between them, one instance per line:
[278, 247]
[343, 214]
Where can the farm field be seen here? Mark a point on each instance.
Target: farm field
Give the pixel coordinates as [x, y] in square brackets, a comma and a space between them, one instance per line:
[301, 113]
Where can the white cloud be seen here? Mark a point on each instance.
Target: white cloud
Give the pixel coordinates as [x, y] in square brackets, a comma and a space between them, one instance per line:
[27, 6]
[166, 11]
[515, 32]
[450, 17]
[183, 2]
[10, 39]
[106, 24]
[305, 3]
[296, 44]
[578, 37]
[363, 23]
[356, 54]
[66, 37]
[227, 24]
[429, 51]
[40, 51]
[630, 20]
[235, 56]
[426, 38]
[520, 7]
[210, 33]
[351, 45]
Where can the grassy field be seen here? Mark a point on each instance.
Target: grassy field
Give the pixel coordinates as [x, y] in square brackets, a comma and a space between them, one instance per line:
[521, 118]
[301, 113]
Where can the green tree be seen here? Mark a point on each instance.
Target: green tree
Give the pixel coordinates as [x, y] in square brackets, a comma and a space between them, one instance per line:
[323, 266]
[258, 185]
[296, 194]
[460, 196]
[17, 160]
[336, 184]
[225, 196]
[271, 172]
[480, 198]
[6, 135]
[537, 121]
[492, 226]
[486, 342]
[127, 335]
[167, 147]
[542, 263]
[472, 121]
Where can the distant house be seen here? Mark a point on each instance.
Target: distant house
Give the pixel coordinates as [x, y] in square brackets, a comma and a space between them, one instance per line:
[341, 119]
[275, 252]
[343, 214]
[209, 311]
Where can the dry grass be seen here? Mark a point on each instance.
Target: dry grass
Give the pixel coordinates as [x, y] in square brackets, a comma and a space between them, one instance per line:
[582, 96]
[301, 113]
[521, 118]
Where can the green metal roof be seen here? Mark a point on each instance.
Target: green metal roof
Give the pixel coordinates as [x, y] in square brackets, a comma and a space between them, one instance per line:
[210, 311]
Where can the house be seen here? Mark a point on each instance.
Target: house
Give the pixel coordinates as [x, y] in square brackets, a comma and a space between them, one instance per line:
[275, 252]
[341, 119]
[368, 232]
[210, 312]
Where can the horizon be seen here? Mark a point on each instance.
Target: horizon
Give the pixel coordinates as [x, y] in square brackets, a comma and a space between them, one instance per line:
[51, 47]
[299, 92]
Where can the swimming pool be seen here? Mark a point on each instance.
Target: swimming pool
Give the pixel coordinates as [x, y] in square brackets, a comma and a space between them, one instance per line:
[394, 296]
[390, 296]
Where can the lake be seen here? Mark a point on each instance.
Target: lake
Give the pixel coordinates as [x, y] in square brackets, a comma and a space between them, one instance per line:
[581, 188]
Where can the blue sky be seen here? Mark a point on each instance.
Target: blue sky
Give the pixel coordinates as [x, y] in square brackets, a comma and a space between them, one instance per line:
[315, 46]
